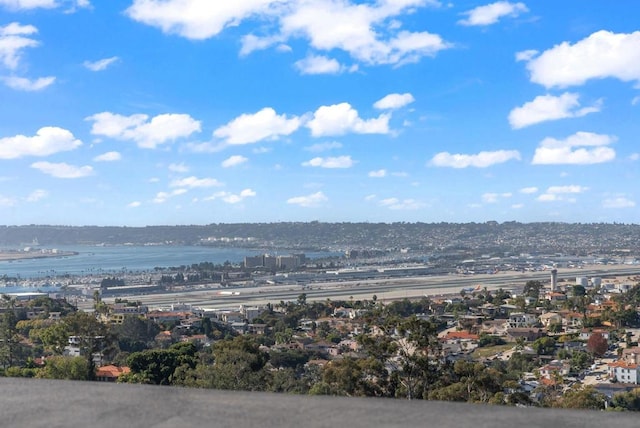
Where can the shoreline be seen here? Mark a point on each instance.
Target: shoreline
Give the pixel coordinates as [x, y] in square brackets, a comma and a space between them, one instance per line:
[10, 256]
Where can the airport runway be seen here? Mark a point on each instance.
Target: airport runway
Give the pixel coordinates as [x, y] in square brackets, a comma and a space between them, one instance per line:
[384, 289]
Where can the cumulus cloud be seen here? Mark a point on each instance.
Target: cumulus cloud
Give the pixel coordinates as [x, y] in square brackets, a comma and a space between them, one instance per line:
[480, 160]
[13, 40]
[401, 204]
[618, 203]
[178, 167]
[313, 200]
[323, 147]
[581, 148]
[108, 157]
[491, 13]
[47, 141]
[493, 198]
[162, 197]
[360, 29]
[252, 128]
[195, 182]
[381, 173]
[319, 64]
[340, 119]
[43, 4]
[37, 195]
[394, 101]
[234, 161]
[549, 107]
[232, 198]
[63, 170]
[330, 162]
[26, 84]
[529, 190]
[100, 64]
[603, 54]
[147, 134]
[28, 4]
[557, 193]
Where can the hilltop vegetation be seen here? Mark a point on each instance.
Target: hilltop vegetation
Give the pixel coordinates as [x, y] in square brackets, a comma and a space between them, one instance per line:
[576, 239]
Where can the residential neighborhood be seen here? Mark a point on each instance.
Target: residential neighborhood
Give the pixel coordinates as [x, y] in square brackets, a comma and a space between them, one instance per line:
[549, 344]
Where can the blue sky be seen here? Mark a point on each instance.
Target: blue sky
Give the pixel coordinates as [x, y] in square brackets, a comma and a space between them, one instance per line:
[147, 112]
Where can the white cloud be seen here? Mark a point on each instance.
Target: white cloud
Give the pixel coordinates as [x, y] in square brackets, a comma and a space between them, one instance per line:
[101, 64]
[197, 19]
[13, 40]
[134, 204]
[47, 141]
[25, 84]
[394, 101]
[574, 188]
[549, 107]
[517, 206]
[108, 157]
[232, 198]
[63, 170]
[322, 147]
[378, 174]
[404, 204]
[37, 195]
[493, 198]
[634, 157]
[178, 167]
[234, 161]
[313, 200]
[360, 29]
[252, 128]
[480, 160]
[195, 182]
[319, 64]
[28, 4]
[339, 119]
[146, 133]
[6, 201]
[162, 197]
[556, 193]
[526, 55]
[581, 148]
[529, 190]
[491, 13]
[44, 4]
[601, 55]
[618, 203]
[635, 101]
[330, 162]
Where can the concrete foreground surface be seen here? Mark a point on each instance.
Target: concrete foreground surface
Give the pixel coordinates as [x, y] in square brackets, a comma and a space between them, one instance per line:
[45, 403]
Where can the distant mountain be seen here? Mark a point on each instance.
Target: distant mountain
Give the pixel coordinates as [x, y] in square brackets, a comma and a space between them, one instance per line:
[491, 237]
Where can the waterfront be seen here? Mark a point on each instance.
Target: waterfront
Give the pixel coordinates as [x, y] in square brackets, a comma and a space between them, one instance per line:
[109, 260]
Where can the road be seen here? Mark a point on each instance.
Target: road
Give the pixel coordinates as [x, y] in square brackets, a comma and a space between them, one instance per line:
[384, 289]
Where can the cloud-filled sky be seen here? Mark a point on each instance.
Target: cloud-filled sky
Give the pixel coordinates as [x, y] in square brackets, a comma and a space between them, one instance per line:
[147, 112]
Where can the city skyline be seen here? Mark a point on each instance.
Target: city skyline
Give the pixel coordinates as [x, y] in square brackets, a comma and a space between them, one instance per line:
[151, 112]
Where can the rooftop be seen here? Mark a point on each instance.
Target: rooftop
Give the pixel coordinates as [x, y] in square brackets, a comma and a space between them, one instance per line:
[43, 403]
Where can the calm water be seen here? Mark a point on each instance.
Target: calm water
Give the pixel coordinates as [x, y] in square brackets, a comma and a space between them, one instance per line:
[97, 260]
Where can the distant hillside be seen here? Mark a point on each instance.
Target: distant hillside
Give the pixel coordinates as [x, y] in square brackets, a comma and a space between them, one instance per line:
[490, 237]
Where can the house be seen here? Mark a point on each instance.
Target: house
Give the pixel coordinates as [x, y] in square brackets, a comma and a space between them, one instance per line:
[550, 318]
[110, 373]
[554, 369]
[624, 372]
[586, 333]
[521, 319]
